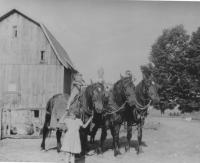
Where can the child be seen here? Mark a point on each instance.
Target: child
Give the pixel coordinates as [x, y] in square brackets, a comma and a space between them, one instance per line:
[71, 140]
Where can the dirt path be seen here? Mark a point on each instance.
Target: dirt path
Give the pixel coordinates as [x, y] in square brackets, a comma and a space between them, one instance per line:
[173, 140]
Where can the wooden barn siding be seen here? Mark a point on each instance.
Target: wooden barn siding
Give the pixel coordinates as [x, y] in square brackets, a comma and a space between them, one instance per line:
[35, 84]
[27, 120]
[25, 49]
[20, 63]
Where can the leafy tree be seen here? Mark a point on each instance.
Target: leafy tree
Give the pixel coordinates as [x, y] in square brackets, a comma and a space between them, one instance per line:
[168, 57]
[193, 67]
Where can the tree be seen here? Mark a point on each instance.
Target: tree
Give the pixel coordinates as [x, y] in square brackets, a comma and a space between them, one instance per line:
[170, 62]
[193, 67]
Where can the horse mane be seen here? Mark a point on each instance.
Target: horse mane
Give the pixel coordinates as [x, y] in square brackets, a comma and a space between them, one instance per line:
[117, 92]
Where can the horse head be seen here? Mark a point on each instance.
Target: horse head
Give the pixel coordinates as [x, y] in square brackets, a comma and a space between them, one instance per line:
[151, 89]
[124, 91]
[95, 96]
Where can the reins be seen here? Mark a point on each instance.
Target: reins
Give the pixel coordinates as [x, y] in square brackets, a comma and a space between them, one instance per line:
[140, 107]
[116, 109]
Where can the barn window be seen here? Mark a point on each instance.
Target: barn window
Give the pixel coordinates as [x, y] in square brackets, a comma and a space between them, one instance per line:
[14, 31]
[42, 56]
[36, 113]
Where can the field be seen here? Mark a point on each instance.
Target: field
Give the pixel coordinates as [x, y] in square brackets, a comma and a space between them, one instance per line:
[165, 139]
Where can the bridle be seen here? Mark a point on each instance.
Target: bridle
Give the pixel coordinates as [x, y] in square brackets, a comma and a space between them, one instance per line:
[114, 107]
[98, 87]
[127, 82]
[145, 99]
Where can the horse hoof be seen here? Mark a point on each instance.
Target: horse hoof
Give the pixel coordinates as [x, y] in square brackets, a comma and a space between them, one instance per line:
[42, 149]
[127, 149]
[58, 150]
[99, 151]
[139, 151]
[117, 153]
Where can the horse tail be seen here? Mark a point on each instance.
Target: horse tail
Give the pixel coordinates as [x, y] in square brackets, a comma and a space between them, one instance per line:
[48, 113]
[45, 130]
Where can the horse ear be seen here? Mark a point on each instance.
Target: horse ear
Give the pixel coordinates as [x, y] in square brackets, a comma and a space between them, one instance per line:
[121, 76]
[144, 76]
[91, 81]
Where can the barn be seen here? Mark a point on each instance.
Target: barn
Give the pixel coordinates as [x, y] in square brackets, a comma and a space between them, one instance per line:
[33, 68]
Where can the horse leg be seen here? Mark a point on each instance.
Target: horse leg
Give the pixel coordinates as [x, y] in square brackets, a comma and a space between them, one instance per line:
[117, 138]
[44, 135]
[115, 134]
[103, 138]
[83, 138]
[45, 130]
[58, 137]
[129, 136]
[93, 133]
[139, 148]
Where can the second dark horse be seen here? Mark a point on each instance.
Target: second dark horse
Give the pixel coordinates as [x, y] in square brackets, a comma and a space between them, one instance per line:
[122, 95]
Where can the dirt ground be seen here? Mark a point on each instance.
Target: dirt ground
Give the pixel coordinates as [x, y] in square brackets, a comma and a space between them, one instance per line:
[165, 139]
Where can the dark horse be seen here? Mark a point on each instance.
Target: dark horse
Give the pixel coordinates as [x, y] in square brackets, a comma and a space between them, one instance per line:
[90, 99]
[127, 104]
[146, 94]
[122, 95]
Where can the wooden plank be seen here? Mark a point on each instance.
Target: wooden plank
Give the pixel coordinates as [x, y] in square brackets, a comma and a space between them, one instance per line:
[17, 109]
[5, 115]
[23, 136]
[9, 122]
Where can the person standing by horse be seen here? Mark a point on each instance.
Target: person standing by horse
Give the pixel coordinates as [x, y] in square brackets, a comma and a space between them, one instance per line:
[76, 88]
[71, 140]
[77, 84]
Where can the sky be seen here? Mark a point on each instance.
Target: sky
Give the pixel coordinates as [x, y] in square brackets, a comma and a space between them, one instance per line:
[110, 34]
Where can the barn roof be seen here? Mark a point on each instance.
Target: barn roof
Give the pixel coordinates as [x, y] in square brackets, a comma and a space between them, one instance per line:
[62, 55]
[59, 51]
[16, 11]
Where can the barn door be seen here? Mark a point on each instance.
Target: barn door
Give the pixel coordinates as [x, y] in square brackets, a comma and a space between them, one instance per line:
[67, 81]
[5, 122]
[21, 122]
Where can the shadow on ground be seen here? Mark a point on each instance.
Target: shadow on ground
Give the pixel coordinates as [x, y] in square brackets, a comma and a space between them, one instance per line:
[109, 144]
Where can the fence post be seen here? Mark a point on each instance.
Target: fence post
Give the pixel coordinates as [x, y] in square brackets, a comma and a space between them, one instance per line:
[9, 121]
